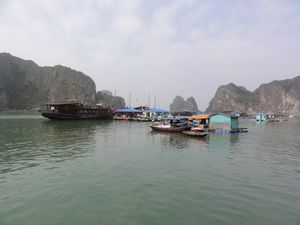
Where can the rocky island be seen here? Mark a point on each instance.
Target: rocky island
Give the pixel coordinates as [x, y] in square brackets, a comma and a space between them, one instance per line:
[277, 96]
[25, 85]
[180, 105]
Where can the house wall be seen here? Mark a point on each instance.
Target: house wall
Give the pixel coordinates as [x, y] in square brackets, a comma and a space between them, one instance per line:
[220, 122]
[261, 117]
[234, 123]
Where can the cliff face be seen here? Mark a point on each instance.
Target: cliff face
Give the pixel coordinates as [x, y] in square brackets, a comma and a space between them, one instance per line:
[277, 96]
[106, 98]
[25, 85]
[179, 105]
[280, 96]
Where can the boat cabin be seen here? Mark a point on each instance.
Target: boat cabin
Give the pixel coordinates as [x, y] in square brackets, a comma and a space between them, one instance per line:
[75, 110]
[199, 121]
[68, 107]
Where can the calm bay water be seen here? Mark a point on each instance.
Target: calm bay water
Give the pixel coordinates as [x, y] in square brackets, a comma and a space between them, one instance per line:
[118, 172]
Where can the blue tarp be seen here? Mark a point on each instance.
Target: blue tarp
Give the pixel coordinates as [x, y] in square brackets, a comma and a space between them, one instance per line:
[128, 110]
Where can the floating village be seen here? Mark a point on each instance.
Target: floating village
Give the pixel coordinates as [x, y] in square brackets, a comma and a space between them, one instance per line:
[197, 125]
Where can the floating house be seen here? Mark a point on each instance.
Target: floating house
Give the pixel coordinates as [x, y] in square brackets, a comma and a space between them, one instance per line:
[127, 114]
[223, 123]
[156, 113]
[141, 113]
[260, 117]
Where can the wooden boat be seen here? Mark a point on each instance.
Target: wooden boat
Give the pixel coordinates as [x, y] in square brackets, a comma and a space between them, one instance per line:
[195, 133]
[73, 110]
[272, 120]
[170, 127]
[243, 130]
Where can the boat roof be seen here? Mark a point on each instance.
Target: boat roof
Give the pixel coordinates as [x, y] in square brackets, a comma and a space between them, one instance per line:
[65, 103]
[156, 110]
[199, 117]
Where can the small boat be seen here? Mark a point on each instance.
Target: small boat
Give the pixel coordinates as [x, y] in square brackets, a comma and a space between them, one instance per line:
[170, 126]
[73, 110]
[272, 120]
[195, 133]
[243, 130]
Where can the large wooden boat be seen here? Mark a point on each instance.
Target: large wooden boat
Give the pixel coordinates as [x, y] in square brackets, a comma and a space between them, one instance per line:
[73, 110]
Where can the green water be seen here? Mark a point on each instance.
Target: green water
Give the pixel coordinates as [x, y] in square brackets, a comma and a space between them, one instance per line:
[117, 172]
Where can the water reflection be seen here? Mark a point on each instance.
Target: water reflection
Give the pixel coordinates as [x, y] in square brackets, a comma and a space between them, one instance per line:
[222, 140]
[171, 140]
[183, 142]
[179, 141]
[27, 142]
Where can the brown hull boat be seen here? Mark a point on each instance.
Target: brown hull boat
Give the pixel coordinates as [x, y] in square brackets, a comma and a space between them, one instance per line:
[73, 110]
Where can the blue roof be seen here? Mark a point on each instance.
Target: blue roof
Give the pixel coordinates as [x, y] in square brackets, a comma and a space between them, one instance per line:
[156, 110]
[130, 110]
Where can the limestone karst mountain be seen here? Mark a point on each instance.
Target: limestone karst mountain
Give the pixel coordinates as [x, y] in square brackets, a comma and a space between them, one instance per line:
[106, 98]
[277, 96]
[25, 85]
[179, 104]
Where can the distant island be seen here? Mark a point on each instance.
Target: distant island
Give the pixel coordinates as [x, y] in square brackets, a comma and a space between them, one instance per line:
[180, 105]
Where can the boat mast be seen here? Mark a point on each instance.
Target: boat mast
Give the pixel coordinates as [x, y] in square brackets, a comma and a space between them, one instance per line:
[149, 96]
[129, 99]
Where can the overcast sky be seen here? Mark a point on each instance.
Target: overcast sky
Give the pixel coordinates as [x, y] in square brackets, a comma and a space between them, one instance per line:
[166, 48]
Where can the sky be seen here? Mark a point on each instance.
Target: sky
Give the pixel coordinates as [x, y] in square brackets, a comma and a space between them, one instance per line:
[160, 48]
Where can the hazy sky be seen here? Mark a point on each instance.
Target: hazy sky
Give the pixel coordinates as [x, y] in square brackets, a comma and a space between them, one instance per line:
[166, 48]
